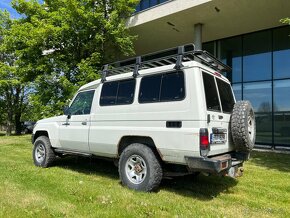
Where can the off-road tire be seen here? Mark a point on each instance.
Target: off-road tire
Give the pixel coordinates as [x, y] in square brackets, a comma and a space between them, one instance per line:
[243, 126]
[154, 171]
[42, 144]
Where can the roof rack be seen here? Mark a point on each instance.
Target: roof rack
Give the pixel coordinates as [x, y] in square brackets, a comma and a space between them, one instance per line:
[171, 56]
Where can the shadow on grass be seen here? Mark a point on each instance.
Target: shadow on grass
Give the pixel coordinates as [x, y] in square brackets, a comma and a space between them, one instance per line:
[200, 187]
[271, 160]
[89, 165]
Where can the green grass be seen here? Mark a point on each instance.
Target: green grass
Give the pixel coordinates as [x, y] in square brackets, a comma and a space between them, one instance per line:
[82, 187]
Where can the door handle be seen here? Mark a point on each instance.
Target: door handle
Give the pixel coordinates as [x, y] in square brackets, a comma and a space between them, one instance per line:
[221, 117]
[84, 123]
[65, 124]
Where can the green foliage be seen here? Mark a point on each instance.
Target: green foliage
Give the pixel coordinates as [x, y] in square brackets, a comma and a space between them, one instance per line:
[12, 86]
[285, 20]
[60, 45]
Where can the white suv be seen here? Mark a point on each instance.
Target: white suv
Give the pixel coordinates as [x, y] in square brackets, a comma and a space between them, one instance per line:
[152, 113]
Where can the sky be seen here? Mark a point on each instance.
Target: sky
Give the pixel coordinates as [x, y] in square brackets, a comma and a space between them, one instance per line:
[5, 4]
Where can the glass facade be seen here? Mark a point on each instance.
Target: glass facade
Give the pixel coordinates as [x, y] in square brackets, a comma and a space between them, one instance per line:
[260, 64]
[260, 96]
[145, 4]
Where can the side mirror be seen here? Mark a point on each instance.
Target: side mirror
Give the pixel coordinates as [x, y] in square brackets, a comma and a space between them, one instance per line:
[66, 111]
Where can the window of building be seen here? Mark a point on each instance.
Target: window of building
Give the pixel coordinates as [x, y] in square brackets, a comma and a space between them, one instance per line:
[212, 100]
[82, 103]
[145, 4]
[162, 88]
[260, 96]
[281, 53]
[209, 47]
[237, 88]
[257, 59]
[118, 92]
[231, 54]
[226, 96]
[281, 112]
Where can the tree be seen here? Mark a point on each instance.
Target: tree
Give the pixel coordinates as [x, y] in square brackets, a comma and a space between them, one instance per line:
[285, 20]
[62, 44]
[12, 88]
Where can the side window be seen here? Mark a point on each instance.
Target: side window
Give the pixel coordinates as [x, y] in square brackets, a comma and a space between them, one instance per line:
[226, 96]
[82, 103]
[172, 88]
[210, 90]
[150, 89]
[126, 92]
[162, 87]
[109, 93]
[118, 92]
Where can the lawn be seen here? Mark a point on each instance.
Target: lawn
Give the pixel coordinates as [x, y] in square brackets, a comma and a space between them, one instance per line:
[83, 187]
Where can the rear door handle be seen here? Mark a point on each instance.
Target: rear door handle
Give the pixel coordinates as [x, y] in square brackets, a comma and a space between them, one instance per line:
[66, 124]
[84, 123]
[221, 117]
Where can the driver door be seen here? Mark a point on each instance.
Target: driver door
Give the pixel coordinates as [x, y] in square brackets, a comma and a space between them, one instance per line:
[74, 131]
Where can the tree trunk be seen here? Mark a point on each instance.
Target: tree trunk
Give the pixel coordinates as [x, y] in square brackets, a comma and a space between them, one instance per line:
[17, 110]
[9, 123]
[18, 126]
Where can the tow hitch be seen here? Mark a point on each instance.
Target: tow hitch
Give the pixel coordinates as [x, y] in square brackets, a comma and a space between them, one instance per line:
[234, 172]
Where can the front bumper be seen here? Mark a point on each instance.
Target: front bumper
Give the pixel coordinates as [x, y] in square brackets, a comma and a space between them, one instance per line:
[215, 164]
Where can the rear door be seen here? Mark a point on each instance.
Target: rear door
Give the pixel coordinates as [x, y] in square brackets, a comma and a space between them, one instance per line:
[220, 102]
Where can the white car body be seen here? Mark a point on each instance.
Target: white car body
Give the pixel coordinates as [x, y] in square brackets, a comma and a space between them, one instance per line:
[106, 126]
[167, 112]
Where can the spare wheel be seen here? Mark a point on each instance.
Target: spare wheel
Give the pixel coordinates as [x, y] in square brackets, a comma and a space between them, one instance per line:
[243, 126]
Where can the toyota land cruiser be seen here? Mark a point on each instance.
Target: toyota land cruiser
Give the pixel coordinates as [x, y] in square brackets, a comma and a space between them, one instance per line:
[152, 112]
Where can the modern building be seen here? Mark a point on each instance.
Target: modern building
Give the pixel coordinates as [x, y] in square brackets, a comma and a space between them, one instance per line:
[245, 34]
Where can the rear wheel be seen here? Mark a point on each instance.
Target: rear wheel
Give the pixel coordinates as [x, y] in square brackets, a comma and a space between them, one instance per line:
[43, 155]
[139, 168]
[243, 126]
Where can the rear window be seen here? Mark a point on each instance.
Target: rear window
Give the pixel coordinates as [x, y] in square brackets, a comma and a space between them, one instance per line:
[226, 96]
[212, 100]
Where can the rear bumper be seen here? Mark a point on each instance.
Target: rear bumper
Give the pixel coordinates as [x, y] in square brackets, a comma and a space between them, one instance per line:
[215, 164]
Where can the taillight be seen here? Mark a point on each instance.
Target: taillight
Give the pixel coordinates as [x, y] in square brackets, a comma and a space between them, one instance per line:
[203, 142]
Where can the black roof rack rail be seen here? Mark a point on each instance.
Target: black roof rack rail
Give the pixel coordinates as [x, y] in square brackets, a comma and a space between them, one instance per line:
[170, 56]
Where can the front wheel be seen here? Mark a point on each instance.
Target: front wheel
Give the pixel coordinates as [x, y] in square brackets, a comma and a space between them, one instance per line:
[139, 168]
[43, 155]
